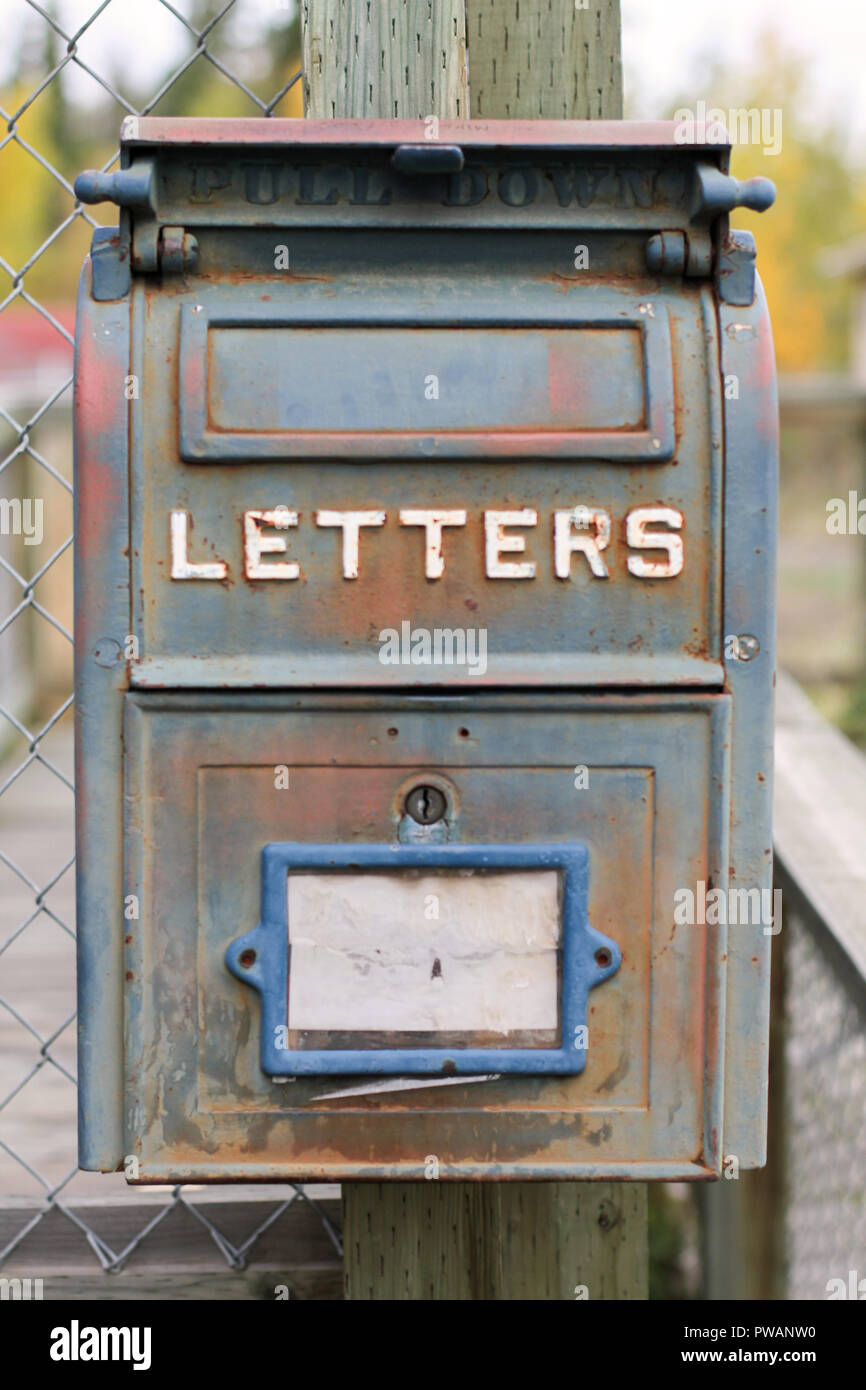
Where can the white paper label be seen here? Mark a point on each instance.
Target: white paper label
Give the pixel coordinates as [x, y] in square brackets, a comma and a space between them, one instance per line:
[397, 952]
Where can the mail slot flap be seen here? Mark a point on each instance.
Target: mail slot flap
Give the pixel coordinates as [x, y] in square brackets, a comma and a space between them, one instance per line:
[591, 380]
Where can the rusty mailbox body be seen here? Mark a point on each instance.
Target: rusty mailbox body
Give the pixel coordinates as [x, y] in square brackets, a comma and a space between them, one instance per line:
[426, 507]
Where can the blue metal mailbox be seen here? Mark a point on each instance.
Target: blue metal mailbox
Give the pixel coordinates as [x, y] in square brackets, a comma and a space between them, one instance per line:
[425, 627]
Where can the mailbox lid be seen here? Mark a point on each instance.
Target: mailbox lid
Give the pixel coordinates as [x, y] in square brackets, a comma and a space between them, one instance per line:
[623, 460]
[420, 352]
[502, 583]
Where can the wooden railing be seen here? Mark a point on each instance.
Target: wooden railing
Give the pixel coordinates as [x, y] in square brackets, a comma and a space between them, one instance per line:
[797, 1229]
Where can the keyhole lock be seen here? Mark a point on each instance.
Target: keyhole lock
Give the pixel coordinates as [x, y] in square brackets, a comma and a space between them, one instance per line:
[426, 805]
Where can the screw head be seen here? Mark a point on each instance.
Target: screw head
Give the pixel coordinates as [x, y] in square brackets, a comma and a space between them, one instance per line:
[107, 652]
[426, 805]
[747, 647]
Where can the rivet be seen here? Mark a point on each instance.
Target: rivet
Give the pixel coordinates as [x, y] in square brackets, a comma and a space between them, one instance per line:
[747, 647]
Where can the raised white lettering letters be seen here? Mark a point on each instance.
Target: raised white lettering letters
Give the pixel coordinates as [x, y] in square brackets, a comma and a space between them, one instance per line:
[496, 543]
[579, 530]
[432, 521]
[586, 529]
[351, 522]
[256, 544]
[639, 538]
[181, 566]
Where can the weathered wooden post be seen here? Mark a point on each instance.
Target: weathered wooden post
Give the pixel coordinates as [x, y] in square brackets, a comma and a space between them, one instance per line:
[389, 59]
[536, 58]
[545, 59]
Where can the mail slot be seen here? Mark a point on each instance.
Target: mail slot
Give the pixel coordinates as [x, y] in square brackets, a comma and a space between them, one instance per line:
[424, 654]
[353, 390]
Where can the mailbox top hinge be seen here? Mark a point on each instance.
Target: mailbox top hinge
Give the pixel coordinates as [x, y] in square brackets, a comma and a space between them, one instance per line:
[689, 253]
[674, 253]
[149, 247]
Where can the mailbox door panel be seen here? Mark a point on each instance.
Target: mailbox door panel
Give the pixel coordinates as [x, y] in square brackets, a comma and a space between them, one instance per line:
[212, 781]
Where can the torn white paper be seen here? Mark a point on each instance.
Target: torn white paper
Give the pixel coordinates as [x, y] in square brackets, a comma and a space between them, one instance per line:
[396, 952]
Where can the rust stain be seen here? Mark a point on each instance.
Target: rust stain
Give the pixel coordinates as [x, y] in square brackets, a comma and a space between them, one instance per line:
[563, 283]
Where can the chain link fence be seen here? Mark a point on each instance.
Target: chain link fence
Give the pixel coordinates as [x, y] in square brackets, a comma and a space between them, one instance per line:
[65, 92]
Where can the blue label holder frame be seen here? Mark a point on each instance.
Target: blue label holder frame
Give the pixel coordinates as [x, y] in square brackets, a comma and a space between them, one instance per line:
[587, 957]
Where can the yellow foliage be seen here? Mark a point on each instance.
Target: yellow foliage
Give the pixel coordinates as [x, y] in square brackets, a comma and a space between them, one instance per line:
[801, 298]
[35, 203]
[821, 197]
